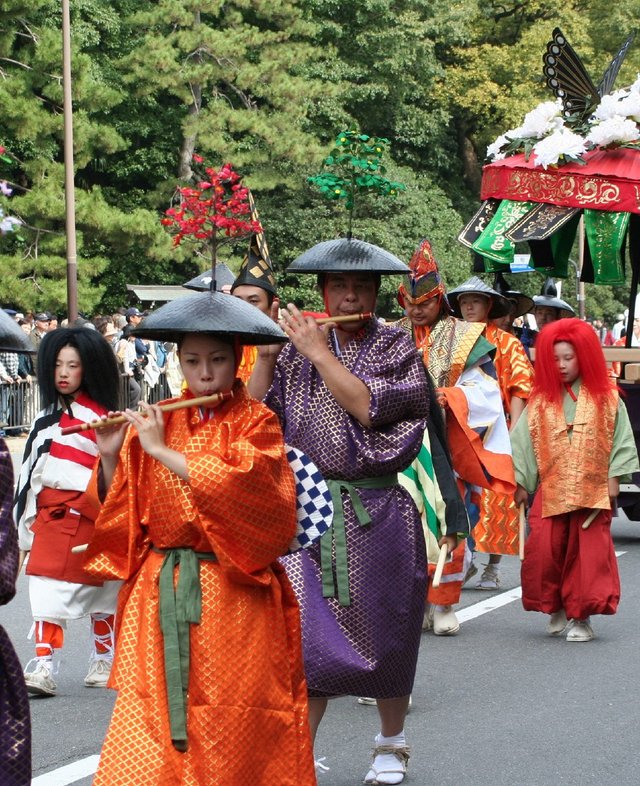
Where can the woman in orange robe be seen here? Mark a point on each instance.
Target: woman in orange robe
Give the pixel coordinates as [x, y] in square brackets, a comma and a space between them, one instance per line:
[208, 667]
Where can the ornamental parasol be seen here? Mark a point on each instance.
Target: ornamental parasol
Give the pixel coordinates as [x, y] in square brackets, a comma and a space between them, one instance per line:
[544, 198]
[609, 180]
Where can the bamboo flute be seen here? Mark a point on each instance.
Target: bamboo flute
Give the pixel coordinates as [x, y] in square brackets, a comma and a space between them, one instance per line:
[202, 401]
[345, 318]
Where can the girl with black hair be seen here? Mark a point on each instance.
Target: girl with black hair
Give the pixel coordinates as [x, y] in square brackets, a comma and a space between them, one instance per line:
[78, 379]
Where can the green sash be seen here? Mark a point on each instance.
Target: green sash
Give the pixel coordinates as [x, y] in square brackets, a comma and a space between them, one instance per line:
[179, 608]
[335, 538]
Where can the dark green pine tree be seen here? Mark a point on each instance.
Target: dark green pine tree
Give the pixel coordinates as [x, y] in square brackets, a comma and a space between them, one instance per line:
[33, 261]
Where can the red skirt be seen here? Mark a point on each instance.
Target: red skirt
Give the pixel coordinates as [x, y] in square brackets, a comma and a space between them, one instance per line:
[568, 567]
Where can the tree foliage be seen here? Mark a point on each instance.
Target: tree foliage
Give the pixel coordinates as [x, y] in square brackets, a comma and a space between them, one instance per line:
[266, 85]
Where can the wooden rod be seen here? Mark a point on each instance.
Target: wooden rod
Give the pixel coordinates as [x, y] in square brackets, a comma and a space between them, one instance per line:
[587, 523]
[203, 401]
[521, 533]
[442, 558]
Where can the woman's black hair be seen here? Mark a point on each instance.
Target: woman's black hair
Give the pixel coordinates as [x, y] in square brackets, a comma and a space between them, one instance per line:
[225, 338]
[100, 375]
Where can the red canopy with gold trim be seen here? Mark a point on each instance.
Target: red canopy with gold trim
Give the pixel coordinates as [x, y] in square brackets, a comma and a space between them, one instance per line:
[610, 180]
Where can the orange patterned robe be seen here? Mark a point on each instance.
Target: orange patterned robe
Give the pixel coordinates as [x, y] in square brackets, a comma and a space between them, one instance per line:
[246, 715]
[247, 362]
[497, 529]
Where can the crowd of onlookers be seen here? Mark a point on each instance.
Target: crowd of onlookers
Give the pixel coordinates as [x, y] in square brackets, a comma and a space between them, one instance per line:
[145, 366]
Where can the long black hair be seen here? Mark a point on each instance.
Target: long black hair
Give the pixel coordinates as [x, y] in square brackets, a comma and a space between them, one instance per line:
[100, 375]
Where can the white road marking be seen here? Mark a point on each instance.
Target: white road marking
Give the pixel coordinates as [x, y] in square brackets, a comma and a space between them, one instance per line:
[495, 602]
[70, 773]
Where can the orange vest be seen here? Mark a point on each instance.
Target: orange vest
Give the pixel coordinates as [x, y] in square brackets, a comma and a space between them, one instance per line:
[573, 473]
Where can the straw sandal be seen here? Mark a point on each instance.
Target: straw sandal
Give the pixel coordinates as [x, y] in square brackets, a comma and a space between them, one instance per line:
[389, 769]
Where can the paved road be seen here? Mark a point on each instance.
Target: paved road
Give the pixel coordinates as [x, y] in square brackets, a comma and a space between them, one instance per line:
[501, 704]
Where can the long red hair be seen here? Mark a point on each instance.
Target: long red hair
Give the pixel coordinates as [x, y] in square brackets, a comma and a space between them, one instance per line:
[547, 382]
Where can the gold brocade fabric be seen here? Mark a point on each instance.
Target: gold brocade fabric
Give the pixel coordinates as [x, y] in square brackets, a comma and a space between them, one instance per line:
[497, 530]
[446, 349]
[574, 470]
[246, 701]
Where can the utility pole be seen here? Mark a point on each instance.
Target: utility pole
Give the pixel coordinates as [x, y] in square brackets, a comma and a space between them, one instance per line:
[69, 182]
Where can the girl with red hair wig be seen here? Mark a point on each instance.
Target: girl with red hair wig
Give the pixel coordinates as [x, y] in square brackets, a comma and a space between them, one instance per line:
[586, 345]
[571, 446]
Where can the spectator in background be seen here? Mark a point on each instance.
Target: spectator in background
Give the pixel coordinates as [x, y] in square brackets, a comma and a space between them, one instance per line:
[119, 320]
[619, 326]
[41, 327]
[12, 406]
[126, 357]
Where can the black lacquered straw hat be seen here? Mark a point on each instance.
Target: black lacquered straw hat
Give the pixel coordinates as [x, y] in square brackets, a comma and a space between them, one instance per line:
[522, 303]
[213, 313]
[499, 304]
[12, 336]
[549, 297]
[346, 255]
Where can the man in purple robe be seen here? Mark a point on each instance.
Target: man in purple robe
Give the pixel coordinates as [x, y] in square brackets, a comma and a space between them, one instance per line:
[15, 722]
[353, 396]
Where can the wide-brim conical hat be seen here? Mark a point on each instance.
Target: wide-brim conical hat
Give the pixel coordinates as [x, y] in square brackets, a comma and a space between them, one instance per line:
[499, 306]
[347, 256]
[12, 336]
[554, 302]
[522, 303]
[202, 283]
[210, 312]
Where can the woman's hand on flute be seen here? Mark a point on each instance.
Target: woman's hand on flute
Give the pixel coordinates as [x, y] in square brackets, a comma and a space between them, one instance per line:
[110, 438]
[149, 424]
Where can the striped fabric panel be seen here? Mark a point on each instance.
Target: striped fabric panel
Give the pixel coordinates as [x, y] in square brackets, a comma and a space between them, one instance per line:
[420, 481]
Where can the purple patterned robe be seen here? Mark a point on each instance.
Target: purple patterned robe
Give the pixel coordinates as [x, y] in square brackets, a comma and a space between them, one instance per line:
[370, 647]
[15, 721]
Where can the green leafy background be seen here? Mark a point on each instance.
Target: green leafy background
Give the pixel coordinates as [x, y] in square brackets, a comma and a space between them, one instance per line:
[267, 84]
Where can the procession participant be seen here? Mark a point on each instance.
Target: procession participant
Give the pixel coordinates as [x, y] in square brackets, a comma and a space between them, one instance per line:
[519, 305]
[548, 307]
[574, 444]
[496, 532]
[15, 724]
[78, 379]
[458, 359]
[256, 285]
[209, 674]
[353, 396]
